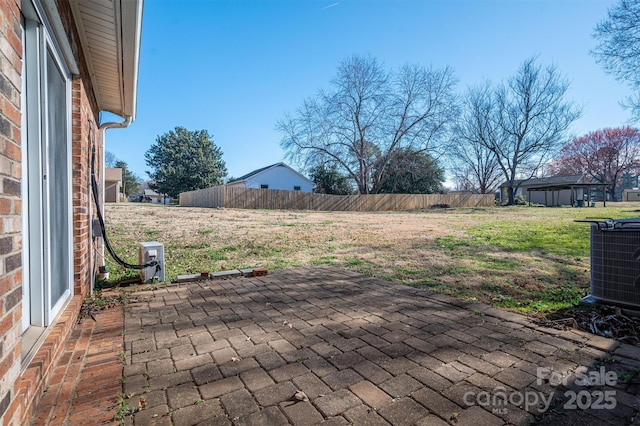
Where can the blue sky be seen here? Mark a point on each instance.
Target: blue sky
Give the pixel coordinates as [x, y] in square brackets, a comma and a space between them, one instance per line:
[235, 67]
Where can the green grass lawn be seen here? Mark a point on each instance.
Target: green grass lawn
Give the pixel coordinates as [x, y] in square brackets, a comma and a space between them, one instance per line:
[527, 259]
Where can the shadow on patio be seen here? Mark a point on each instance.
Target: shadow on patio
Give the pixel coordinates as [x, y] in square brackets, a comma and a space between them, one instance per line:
[322, 345]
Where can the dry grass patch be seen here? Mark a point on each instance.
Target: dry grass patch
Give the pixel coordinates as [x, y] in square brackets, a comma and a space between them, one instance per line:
[521, 258]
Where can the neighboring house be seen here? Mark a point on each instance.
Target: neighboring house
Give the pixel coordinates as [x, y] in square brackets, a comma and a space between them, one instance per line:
[112, 185]
[573, 190]
[63, 62]
[275, 176]
[152, 196]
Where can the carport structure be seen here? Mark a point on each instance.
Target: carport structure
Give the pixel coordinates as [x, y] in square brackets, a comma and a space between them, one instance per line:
[573, 190]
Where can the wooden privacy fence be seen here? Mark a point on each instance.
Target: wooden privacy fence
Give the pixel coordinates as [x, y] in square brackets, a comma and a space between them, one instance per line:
[273, 199]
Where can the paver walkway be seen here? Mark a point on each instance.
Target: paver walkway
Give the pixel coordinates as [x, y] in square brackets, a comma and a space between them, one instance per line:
[327, 346]
[86, 381]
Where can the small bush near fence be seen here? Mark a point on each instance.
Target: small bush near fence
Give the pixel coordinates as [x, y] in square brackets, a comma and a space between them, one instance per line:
[273, 199]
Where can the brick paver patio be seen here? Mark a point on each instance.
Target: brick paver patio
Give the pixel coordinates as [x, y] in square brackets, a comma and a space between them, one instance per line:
[327, 346]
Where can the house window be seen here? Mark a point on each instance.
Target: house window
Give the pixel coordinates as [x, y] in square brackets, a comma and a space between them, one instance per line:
[46, 181]
[296, 188]
[264, 186]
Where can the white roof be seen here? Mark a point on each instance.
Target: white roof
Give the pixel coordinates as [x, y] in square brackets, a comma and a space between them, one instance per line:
[262, 170]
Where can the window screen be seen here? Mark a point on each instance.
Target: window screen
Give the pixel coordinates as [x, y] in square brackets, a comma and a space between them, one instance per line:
[57, 180]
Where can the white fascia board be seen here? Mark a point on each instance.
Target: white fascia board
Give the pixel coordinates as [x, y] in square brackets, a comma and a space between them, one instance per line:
[131, 21]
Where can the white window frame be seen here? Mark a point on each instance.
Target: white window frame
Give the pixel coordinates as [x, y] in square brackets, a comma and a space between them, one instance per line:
[38, 251]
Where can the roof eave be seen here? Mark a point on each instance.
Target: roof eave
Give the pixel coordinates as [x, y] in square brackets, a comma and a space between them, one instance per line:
[132, 36]
[263, 170]
[110, 33]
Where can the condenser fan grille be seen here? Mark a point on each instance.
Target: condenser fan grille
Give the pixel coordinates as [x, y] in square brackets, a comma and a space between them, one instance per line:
[615, 264]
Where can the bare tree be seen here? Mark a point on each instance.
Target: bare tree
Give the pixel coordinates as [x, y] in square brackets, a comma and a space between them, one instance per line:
[606, 156]
[475, 166]
[110, 159]
[476, 170]
[522, 120]
[618, 50]
[367, 116]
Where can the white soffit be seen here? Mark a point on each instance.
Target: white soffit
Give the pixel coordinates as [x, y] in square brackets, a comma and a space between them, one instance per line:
[110, 32]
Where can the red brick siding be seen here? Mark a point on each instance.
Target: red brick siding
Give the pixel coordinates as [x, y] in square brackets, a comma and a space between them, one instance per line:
[33, 380]
[10, 205]
[84, 138]
[20, 391]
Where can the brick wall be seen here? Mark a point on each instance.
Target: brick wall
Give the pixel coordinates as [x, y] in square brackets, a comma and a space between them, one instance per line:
[20, 390]
[10, 204]
[85, 136]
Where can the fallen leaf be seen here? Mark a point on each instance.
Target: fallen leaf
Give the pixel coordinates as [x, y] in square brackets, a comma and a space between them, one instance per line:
[301, 396]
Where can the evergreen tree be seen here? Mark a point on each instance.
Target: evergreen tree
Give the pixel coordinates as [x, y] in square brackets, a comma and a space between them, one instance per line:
[411, 172]
[130, 181]
[328, 180]
[184, 160]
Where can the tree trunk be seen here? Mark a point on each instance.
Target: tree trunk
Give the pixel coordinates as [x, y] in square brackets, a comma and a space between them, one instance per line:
[612, 193]
[511, 196]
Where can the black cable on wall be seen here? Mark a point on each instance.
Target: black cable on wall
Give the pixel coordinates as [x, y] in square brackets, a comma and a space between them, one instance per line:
[121, 262]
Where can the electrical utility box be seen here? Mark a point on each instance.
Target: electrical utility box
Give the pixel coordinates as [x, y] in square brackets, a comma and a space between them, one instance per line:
[152, 250]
